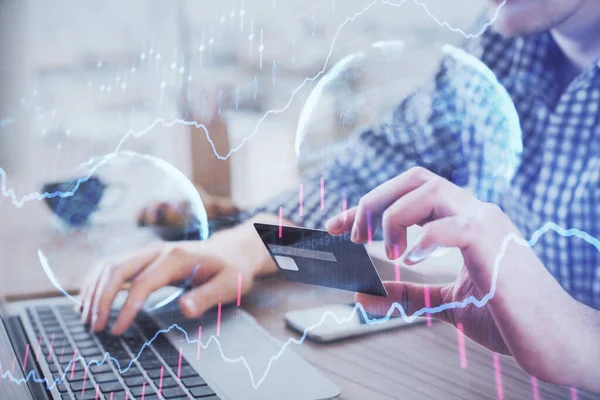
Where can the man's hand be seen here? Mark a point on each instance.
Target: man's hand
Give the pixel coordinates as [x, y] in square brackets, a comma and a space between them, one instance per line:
[527, 310]
[176, 215]
[212, 266]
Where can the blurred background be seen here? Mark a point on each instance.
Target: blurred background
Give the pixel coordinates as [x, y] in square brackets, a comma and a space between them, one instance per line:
[83, 79]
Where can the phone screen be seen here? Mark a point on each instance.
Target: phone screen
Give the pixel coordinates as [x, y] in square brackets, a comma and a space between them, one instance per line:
[339, 321]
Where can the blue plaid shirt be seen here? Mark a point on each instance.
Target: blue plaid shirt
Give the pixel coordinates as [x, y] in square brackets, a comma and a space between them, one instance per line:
[558, 178]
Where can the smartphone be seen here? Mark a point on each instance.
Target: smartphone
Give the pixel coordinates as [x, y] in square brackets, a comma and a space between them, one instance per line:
[323, 328]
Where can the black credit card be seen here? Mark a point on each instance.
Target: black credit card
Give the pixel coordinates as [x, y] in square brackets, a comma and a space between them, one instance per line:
[318, 258]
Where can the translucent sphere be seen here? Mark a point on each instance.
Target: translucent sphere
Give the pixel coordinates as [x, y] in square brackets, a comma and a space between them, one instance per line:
[413, 92]
[114, 192]
[101, 211]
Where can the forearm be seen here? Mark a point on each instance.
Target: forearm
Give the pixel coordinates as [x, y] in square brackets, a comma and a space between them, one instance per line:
[584, 329]
[551, 335]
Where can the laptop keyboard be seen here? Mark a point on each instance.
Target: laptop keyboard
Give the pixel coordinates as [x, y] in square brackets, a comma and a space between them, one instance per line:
[158, 372]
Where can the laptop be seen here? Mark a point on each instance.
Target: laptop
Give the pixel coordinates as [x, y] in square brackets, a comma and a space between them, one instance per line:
[47, 353]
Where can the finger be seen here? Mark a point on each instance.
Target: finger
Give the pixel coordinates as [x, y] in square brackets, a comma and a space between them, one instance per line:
[87, 297]
[88, 283]
[222, 288]
[436, 198]
[409, 297]
[111, 282]
[173, 265]
[372, 205]
[342, 222]
[479, 245]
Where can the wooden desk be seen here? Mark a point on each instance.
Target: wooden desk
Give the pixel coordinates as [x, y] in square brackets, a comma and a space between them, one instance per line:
[416, 363]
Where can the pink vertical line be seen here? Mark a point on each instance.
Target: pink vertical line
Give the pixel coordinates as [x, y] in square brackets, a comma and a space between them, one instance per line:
[73, 363]
[322, 193]
[50, 348]
[179, 363]
[239, 292]
[126, 396]
[63, 350]
[427, 303]
[498, 373]
[219, 319]
[462, 352]
[84, 380]
[534, 388]
[37, 353]
[280, 222]
[344, 205]
[143, 390]
[162, 371]
[97, 392]
[199, 342]
[111, 395]
[369, 230]
[397, 263]
[573, 393]
[25, 359]
[301, 198]
[12, 367]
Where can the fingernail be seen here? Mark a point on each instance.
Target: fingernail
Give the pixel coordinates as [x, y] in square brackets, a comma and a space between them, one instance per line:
[354, 236]
[94, 318]
[418, 253]
[189, 305]
[389, 251]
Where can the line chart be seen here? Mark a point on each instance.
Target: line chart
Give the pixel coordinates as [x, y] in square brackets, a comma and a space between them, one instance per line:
[256, 383]
[167, 124]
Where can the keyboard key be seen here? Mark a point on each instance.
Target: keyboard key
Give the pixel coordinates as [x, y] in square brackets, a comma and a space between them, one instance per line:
[86, 344]
[77, 376]
[135, 381]
[77, 329]
[108, 387]
[87, 395]
[133, 371]
[100, 368]
[61, 387]
[202, 391]
[137, 391]
[91, 352]
[187, 372]
[153, 373]
[105, 377]
[173, 393]
[167, 382]
[78, 386]
[193, 382]
[82, 336]
[117, 396]
[150, 363]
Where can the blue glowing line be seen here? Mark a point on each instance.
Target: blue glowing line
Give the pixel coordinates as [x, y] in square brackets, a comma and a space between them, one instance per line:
[39, 196]
[358, 307]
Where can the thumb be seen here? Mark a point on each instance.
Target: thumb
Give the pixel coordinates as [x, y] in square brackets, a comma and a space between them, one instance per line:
[222, 288]
[412, 298]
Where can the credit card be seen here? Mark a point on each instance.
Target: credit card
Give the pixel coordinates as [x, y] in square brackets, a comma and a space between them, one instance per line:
[317, 258]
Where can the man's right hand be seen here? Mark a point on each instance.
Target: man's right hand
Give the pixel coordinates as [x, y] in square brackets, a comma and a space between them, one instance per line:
[212, 266]
[177, 214]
